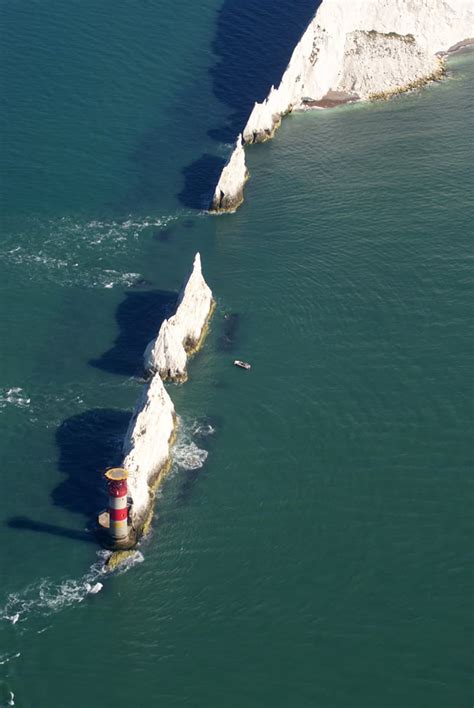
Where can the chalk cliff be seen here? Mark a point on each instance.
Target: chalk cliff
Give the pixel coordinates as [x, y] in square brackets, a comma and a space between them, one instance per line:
[146, 446]
[182, 334]
[229, 192]
[364, 48]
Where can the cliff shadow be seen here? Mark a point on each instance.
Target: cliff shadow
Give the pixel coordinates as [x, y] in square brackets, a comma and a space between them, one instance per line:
[139, 318]
[253, 44]
[88, 443]
[200, 179]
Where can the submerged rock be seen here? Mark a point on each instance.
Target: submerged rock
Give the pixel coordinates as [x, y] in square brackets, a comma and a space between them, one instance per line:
[229, 193]
[182, 334]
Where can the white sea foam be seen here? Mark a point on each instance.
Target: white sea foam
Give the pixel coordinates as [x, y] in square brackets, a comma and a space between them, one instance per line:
[49, 408]
[14, 396]
[46, 597]
[202, 429]
[113, 278]
[7, 697]
[82, 254]
[135, 559]
[186, 454]
[5, 658]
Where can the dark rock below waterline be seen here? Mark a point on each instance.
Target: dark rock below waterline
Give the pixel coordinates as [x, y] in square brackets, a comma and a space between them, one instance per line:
[231, 323]
[225, 202]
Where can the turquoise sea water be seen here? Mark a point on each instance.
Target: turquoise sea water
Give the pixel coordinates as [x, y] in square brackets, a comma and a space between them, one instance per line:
[320, 555]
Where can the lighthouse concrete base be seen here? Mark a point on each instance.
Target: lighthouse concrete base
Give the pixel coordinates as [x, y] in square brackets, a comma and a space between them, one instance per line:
[114, 544]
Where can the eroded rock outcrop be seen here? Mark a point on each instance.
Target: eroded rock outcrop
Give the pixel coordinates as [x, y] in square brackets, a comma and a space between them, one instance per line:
[146, 448]
[182, 334]
[229, 193]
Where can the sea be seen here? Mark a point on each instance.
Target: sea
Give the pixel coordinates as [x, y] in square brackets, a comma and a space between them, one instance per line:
[312, 545]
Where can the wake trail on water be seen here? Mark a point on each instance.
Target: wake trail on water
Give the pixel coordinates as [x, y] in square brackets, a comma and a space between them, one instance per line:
[46, 597]
[81, 254]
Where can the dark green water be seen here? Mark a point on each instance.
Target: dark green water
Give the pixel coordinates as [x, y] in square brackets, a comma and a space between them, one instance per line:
[321, 555]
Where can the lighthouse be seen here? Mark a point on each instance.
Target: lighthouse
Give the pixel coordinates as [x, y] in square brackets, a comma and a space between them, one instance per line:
[118, 511]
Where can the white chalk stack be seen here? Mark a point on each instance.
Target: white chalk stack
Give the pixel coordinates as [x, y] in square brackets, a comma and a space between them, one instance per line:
[181, 335]
[229, 193]
[146, 447]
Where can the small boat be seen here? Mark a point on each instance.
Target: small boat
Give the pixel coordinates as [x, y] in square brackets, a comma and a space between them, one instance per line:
[242, 364]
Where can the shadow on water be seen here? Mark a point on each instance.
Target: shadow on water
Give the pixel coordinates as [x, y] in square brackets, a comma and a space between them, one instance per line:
[88, 443]
[26, 524]
[200, 179]
[139, 318]
[91, 441]
[253, 44]
[165, 235]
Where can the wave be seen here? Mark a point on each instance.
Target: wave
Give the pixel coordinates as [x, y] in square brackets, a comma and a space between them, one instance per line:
[5, 658]
[14, 396]
[40, 265]
[7, 697]
[202, 429]
[49, 408]
[187, 455]
[47, 597]
[69, 252]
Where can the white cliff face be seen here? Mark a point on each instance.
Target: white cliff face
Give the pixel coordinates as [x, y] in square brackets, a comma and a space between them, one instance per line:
[229, 193]
[181, 333]
[344, 49]
[404, 61]
[147, 444]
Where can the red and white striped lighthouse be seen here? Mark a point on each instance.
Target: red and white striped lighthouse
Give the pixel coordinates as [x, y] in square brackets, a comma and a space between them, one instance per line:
[118, 511]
